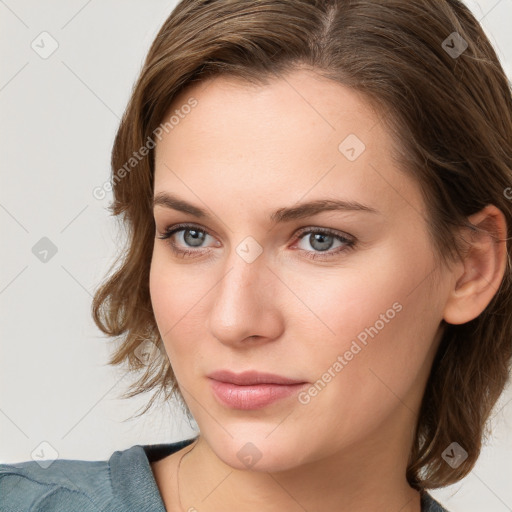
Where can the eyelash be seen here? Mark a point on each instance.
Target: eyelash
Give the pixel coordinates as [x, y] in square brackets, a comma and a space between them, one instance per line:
[349, 243]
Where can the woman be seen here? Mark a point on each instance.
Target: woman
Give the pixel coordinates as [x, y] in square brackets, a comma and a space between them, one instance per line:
[318, 261]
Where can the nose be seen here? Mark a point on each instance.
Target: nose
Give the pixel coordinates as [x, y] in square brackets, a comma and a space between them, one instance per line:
[245, 303]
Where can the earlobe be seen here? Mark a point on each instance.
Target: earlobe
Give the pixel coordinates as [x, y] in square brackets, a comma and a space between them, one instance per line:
[484, 263]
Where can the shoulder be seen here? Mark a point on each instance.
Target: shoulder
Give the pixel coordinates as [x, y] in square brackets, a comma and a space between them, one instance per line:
[429, 504]
[123, 483]
[61, 485]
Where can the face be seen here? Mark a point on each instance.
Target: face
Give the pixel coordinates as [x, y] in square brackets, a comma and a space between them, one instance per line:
[340, 299]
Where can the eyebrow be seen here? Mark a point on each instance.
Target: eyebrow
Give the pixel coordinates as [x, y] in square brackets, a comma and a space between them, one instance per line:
[280, 215]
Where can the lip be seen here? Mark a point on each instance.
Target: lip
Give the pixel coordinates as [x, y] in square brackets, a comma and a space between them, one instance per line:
[251, 377]
[252, 390]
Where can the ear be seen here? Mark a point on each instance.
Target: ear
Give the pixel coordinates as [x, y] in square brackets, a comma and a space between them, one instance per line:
[481, 270]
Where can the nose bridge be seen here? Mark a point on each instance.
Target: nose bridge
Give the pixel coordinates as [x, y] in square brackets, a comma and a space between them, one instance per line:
[244, 303]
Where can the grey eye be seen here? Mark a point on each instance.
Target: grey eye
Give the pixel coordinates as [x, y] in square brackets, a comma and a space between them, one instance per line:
[193, 237]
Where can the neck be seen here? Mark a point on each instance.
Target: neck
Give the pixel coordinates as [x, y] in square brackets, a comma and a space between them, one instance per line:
[360, 478]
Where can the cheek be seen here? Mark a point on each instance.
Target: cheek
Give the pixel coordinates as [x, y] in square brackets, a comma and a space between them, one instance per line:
[174, 288]
[385, 319]
[161, 293]
[374, 295]
[178, 293]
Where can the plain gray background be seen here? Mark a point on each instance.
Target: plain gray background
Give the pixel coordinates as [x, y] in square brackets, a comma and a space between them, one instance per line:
[60, 113]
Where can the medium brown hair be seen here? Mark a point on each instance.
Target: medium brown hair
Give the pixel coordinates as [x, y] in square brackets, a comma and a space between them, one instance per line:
[451, 117]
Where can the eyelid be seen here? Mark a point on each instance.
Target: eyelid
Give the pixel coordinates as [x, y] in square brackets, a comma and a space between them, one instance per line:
[328, 231]
[348, 240]
[170, 230]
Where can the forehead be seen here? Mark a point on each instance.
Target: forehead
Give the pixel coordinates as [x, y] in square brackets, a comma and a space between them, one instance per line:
[299, 134]
[299, 107]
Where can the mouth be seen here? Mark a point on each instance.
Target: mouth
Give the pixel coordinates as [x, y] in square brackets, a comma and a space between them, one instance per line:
[252, 377]
[252, 390]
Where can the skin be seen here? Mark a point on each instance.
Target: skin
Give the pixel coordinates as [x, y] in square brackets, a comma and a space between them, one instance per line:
[242, 153]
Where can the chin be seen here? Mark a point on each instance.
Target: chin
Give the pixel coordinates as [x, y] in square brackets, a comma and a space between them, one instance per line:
[258, 453]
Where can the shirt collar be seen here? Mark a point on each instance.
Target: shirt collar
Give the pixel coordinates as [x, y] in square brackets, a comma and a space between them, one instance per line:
[133, 482]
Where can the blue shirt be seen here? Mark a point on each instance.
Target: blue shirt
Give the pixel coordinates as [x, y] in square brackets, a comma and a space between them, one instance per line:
[124, 483]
